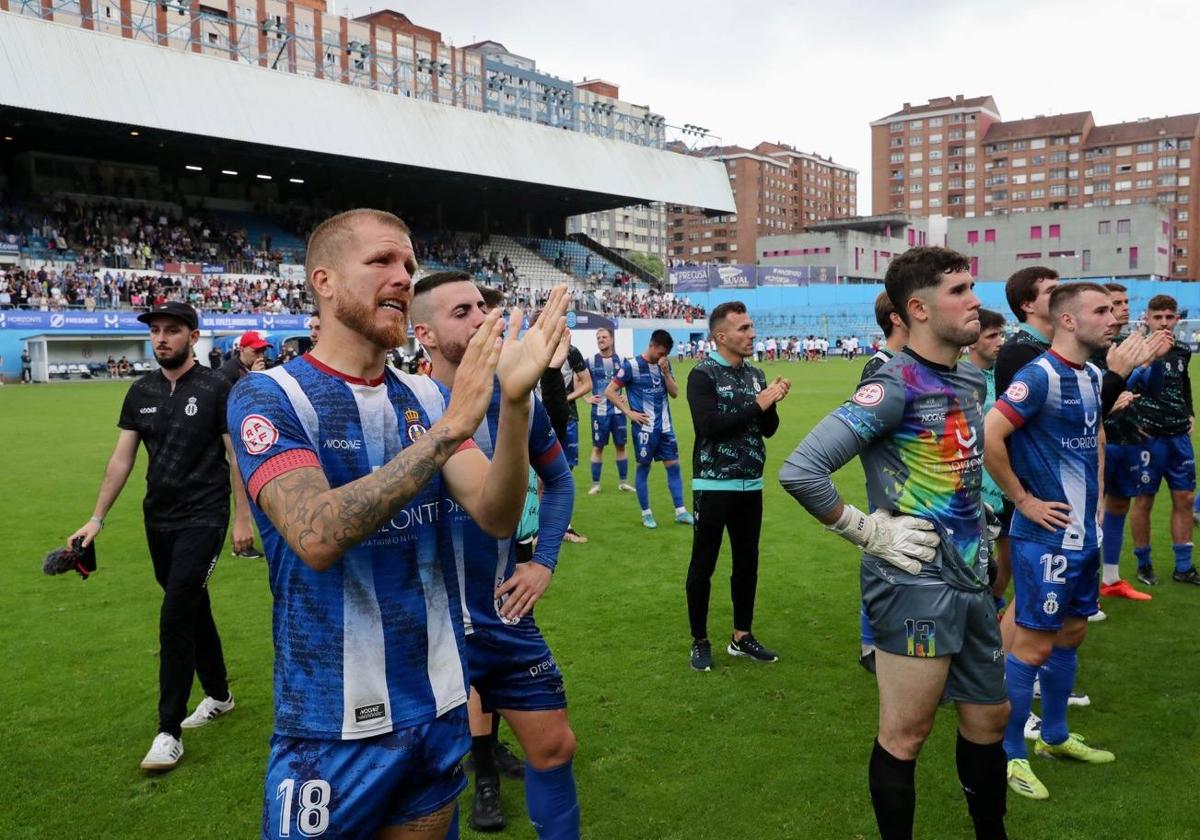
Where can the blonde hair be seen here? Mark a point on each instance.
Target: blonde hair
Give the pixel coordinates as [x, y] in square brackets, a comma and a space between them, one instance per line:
[328, 239]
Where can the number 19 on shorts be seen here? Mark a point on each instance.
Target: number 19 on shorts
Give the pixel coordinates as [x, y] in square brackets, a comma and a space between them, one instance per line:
[312, 817]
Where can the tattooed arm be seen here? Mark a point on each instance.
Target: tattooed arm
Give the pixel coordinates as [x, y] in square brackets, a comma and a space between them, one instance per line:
[321, 524]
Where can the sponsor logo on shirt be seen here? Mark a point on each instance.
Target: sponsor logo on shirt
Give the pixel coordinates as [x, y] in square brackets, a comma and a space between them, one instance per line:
[258, 434]
[153, 409]
[341, 443]
[371, 712]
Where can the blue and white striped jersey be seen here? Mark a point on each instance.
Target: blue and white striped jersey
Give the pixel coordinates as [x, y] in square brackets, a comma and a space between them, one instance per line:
[372, 644]
[1055, 406]
[603, 369]
[643, 383]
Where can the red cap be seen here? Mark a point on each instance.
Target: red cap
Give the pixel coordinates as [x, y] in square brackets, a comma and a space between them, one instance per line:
[252, 340]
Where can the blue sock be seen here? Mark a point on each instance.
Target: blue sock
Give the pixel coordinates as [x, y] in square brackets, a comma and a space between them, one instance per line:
[1020, 676]
[641, 483]
[1057, 677]
[452, 831]
[864, 627]
[1114, 537]
[1196, 504]
[1142, 553]
[675, 485]
[552, 803]
[623, 469]
[1183, 556]
[596, 467]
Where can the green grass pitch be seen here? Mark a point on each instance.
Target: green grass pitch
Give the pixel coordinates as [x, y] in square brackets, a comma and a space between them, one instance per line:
[747, 751]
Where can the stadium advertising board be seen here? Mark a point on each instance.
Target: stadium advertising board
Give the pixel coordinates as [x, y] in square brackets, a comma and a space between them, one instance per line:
[10, 248]
[19, 319]
[691, 278]
[212, 268]
[771, 275]
[291, 272]
[580, 320]
[733, 277]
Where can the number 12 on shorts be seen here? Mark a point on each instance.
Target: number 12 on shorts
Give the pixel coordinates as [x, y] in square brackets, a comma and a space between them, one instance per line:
[1054, 568]
[313, 818]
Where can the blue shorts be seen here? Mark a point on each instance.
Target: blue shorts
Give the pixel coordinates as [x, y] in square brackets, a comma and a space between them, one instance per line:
[571, 444]
[1051, 583]
[329, 788]
[511, 667]
[1169, 456]
[654, 445]
[1123, 469]
[613, 424]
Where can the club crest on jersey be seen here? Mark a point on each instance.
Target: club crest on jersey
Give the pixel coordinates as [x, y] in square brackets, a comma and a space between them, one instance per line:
[1017, 392]
[1050, 605]
[869, 395]
[413, 418]
[258, 434]
[191, 408]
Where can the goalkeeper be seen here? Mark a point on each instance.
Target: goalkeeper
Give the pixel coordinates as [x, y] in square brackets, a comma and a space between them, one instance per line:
[916, 425]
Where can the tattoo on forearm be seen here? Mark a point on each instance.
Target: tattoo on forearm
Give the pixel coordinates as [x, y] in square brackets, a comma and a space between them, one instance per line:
[313, 517]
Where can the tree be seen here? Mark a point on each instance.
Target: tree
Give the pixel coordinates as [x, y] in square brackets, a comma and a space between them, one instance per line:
[647, 262]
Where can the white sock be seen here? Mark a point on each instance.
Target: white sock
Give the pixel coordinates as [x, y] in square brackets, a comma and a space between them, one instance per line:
[647, 512]
[1111, 574]
[681, 509]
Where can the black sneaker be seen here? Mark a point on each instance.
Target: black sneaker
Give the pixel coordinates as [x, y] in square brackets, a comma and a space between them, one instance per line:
[702, 655]
[507, 762]
[749, 646]
[1146, 575]
[486, 814]
[1189, 576]
[251, 552]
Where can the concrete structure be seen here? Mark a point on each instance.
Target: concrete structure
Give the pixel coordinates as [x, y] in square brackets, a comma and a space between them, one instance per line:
[516, 88]
[1097, 242]
[860, 248]
[1040, 164]
[639, 227]
[776, 190]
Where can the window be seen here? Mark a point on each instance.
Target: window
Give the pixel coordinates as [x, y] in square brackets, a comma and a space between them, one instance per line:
[935, 122]
[915, 204]
[1123, 226]
[1102, 168]
[1123, 186]
[1124, 168]
[1058, 157]
[1181, 233]
[1133, 256]
[1124, 151]
[1086, 260]
[914, 157]
[1038, 143]
[915, 139]
[1143, 183]
[1185, 180]
[974, 266]
[1034, 177]
[1145, 148]
[1145, 165]
[1037, 193]
[897, 157]
[914, 187]
[935, 138]
[1182, 216]
[935, 170]
[972, 237]
[1055, 231]
[897, 127]
[1058, 189]
[1016, 162]
[989, 235]
[935, 154]
[1168, 180]
[1030, 255]
[935, 186]
[1035, 232]
[916, 172]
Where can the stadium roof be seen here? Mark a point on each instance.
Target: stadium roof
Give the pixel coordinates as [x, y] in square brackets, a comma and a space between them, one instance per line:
[77, 73]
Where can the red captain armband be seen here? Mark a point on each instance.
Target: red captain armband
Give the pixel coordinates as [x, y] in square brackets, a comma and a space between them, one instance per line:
[1010, 413]
[284, 462]
[469, 443]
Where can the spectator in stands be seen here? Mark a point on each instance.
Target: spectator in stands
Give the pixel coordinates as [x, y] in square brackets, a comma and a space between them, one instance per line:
[26, 366]
[314, 329]
[250, 354]
[214, 358]
[124, 368]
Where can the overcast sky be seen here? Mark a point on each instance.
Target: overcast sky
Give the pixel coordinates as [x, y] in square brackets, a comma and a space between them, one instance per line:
[814, 74]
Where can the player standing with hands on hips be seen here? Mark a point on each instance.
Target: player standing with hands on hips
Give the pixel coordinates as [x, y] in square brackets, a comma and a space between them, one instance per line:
[733, 409]
[178, 411]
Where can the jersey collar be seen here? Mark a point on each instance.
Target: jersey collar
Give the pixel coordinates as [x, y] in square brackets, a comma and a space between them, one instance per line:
[1064, 360]
[926, 362]
[345, 377]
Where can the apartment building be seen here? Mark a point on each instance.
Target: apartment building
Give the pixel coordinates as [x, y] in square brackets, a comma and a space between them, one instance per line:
[1040, 164]
[776, 190]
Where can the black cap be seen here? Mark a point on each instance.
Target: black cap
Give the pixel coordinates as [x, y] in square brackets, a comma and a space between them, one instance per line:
[176, 309]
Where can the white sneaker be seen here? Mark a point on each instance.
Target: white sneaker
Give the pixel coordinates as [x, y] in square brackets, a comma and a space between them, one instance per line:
[164, 753]
[626, 487]
[208, 710]
[595, 488]
[1100, 615]
[1073, 699]
[1033, 727]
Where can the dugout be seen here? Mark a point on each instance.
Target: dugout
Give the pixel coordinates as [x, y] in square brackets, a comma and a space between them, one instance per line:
[68, 356]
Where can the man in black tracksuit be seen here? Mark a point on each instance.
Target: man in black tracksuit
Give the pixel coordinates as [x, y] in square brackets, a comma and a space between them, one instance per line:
[733, 409]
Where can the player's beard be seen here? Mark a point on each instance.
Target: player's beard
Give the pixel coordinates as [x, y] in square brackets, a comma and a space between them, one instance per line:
[360, 317]
[452, 352]
[958, 335]
[175, 360]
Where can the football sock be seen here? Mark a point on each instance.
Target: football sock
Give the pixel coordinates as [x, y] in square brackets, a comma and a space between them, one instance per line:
[1113, 529]
[1057, 677]
[675, 485]
[596, 467]
[1142, 553]
[866, 634]
[893, 794]
[1020, 676]
[641, 483]
[1183, 556]
[552, 803]
[623, 469]
[483, 754]
[452, 830]
[982, 771]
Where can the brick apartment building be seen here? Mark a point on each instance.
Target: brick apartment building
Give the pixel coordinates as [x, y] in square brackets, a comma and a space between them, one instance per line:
[776, 189]
[955, 156]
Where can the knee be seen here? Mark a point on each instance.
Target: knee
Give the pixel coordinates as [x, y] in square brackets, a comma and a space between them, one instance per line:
[905, 741]
[1033, 652]
[1116, 505]
[555, 748]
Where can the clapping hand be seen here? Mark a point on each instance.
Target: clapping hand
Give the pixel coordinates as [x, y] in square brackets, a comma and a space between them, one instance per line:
[523, 360]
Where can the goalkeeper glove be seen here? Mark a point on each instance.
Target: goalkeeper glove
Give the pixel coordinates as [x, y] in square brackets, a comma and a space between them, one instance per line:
[904, 541]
